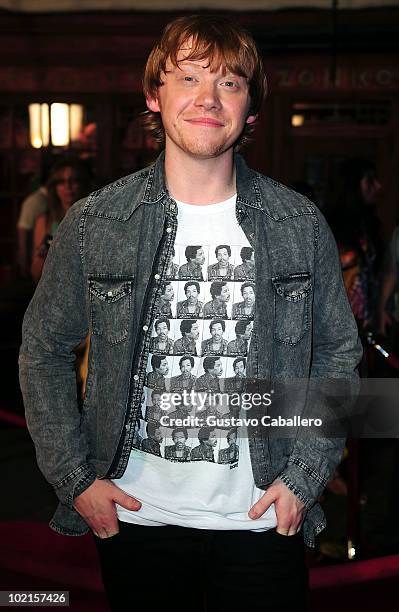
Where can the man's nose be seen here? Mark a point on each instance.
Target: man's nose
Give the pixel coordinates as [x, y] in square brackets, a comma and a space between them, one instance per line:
[207, 96]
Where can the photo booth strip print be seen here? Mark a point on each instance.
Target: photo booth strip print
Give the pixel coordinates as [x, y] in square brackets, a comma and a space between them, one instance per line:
[167, 376]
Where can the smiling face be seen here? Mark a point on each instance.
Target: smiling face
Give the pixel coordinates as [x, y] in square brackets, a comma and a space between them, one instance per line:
[217, 331]
[194, 333]
[191, 294]
[186, 366]
[222, 256]
[212, 440]
[203, 112]
[162, 330]
[217, 368]
[163, 367]
[168, 293]
[199, 257]
[179, 439]
[224, 294]
[249, 296]
[239, 369]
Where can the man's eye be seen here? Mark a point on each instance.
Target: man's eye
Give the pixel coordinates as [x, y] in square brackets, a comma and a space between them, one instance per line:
[189, 79]
[230, 84]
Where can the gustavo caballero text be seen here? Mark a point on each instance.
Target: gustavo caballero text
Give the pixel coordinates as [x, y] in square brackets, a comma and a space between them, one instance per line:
[232, 421]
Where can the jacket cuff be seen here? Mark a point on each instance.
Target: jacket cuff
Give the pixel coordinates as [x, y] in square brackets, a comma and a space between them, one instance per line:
[74, 483]
[303, 481]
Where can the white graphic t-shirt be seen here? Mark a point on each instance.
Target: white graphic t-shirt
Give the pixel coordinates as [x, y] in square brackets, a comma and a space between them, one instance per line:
[190, 462]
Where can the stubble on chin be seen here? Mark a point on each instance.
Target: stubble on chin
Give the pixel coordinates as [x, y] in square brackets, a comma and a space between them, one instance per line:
[202, 147]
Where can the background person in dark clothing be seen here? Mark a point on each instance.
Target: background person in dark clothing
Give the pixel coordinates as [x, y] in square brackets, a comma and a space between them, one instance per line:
[357, 230]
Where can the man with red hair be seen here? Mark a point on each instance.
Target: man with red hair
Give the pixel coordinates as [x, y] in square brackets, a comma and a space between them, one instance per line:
[230, 534]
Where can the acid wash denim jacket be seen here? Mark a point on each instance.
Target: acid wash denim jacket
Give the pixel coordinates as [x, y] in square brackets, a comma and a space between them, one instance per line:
[104, 274]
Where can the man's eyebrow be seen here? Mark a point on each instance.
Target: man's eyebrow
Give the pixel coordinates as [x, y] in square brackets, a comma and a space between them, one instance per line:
[195, 64]
[181, 64]
[188, 64]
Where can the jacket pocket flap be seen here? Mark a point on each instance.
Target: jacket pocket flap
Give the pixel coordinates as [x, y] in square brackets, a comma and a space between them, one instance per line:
[293, 287]
[110, 288]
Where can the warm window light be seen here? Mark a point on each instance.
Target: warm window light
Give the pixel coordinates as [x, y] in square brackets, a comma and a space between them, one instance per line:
[59, 114]
[297, 120]
[75, 120]
[38, 125]
[45, 124]
[59, 124]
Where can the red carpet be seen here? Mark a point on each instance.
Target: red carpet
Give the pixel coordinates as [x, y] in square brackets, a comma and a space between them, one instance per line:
[360, 586]
[33, 557]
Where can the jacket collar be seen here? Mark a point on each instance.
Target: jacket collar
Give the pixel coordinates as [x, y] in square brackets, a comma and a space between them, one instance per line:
[155, 188]
[120, 199]
[248, 192]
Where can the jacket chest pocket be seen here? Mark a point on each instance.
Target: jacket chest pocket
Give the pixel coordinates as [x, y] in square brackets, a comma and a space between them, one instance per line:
[292, 303]
[110, 305]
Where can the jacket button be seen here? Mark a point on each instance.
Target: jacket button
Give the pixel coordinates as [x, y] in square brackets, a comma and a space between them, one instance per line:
[157, 276]
[168, 229]
[136, 377]
[145, 328]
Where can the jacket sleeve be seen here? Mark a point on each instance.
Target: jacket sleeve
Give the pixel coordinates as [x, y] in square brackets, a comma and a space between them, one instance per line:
[55, 323]
[334, 380]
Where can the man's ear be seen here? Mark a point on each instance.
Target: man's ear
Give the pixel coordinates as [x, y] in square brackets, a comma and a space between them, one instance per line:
[153, 105]
[251, 119]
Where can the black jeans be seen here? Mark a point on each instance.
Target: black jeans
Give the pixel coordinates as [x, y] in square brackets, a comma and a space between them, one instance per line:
[192, 570]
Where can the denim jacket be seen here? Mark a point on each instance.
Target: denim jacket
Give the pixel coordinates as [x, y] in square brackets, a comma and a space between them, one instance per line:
[104, 275]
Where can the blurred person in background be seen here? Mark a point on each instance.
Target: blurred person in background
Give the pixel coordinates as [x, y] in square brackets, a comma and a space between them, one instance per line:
[357, 230]
[67, 183]
[388, 308]
[34, 204]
